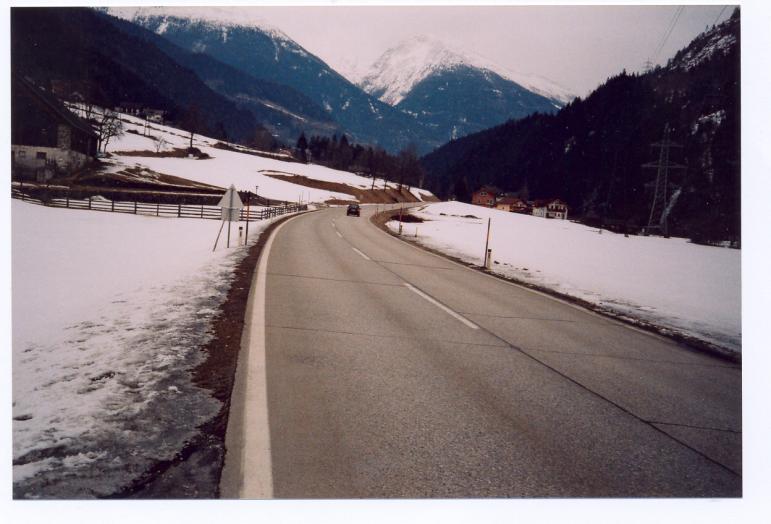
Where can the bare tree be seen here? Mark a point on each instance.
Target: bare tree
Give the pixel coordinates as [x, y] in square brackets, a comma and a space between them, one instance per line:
[110, 125]
[88, 110]
[160, 143]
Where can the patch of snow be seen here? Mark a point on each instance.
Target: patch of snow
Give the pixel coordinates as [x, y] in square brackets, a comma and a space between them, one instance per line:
[274, 107]
[717, 42]
[162, 28]
[671, 282]
[420, 194]
[714, 119]
[671, 203]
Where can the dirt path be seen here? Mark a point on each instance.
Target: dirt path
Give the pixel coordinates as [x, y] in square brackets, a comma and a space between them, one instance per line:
[363, 196]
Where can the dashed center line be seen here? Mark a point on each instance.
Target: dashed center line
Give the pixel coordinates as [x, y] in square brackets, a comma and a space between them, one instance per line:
[338, 234]
[441, 306]
[365, 257]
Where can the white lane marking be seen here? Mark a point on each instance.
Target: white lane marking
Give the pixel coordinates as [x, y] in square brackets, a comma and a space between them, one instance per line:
[442, 307]
[365, 257]
[523, 288]
[248, 470]
[333, 224]
[338, 234]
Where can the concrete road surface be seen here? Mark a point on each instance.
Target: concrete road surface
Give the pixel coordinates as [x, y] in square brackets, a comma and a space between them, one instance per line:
[392, 372]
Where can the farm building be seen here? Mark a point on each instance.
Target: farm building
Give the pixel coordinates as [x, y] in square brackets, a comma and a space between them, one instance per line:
[485, 196]
[553, 208]
[142, 111]
[46, 138]
[511, 204]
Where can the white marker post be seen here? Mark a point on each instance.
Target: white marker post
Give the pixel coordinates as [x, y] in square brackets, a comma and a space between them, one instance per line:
[231, 206]
[487, 245]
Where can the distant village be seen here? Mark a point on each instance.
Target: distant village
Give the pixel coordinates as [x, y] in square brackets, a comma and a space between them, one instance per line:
[490, 196]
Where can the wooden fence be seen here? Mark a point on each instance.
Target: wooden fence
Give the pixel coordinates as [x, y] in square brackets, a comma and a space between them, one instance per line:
[160, 210]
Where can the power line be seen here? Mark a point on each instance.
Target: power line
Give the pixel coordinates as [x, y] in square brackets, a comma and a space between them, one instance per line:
[668, 32]
[719, 15]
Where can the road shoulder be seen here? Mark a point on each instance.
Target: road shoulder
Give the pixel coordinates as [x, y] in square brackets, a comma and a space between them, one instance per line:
[689, 343]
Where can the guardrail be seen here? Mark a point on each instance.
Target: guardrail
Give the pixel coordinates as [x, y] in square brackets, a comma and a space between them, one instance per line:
[159, 210]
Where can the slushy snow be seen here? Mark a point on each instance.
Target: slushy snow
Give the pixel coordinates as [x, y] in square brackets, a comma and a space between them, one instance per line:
[110, 315]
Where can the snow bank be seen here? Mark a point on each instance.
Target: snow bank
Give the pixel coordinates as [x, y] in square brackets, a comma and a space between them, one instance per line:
[670, 282]
[110, 312]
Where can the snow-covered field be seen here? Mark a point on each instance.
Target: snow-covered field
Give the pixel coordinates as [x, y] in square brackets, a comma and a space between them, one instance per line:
[672, 283]
[110, 313]
[245, 171]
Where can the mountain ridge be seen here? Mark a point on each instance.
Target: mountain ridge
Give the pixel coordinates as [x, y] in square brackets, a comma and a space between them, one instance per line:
[281, 109]
[281, 60]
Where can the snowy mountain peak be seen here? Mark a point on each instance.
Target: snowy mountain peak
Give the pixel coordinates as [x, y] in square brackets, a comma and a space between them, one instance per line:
[403, 66]
[214, 17]
[400, 68]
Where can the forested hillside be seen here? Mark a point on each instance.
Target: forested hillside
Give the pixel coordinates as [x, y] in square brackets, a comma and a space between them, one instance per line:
[591, 152]
[80, 53]
[284, 111]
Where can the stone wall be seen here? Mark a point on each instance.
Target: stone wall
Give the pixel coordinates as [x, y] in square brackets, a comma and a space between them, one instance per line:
[38, 158]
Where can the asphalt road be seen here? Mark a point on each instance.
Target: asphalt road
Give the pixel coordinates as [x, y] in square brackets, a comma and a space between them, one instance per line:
[392, 372]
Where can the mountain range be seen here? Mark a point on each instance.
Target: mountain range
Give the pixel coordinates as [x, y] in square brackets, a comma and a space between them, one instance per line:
[247, 79]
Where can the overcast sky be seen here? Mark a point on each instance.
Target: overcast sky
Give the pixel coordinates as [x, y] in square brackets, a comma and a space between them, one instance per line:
[576, 46]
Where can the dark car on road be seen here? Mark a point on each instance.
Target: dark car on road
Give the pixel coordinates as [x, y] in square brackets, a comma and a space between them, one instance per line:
[354, 210]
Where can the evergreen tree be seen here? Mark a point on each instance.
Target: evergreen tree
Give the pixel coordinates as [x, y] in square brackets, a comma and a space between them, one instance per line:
[302, 146]
[192, 122]
[461, 190]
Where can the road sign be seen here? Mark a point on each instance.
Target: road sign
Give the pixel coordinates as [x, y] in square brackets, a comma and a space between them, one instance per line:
[231, 204]
[231, 207]
[231, 214]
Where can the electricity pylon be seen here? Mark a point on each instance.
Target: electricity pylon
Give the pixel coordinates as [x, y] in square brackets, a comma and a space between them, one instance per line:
[657, 220]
